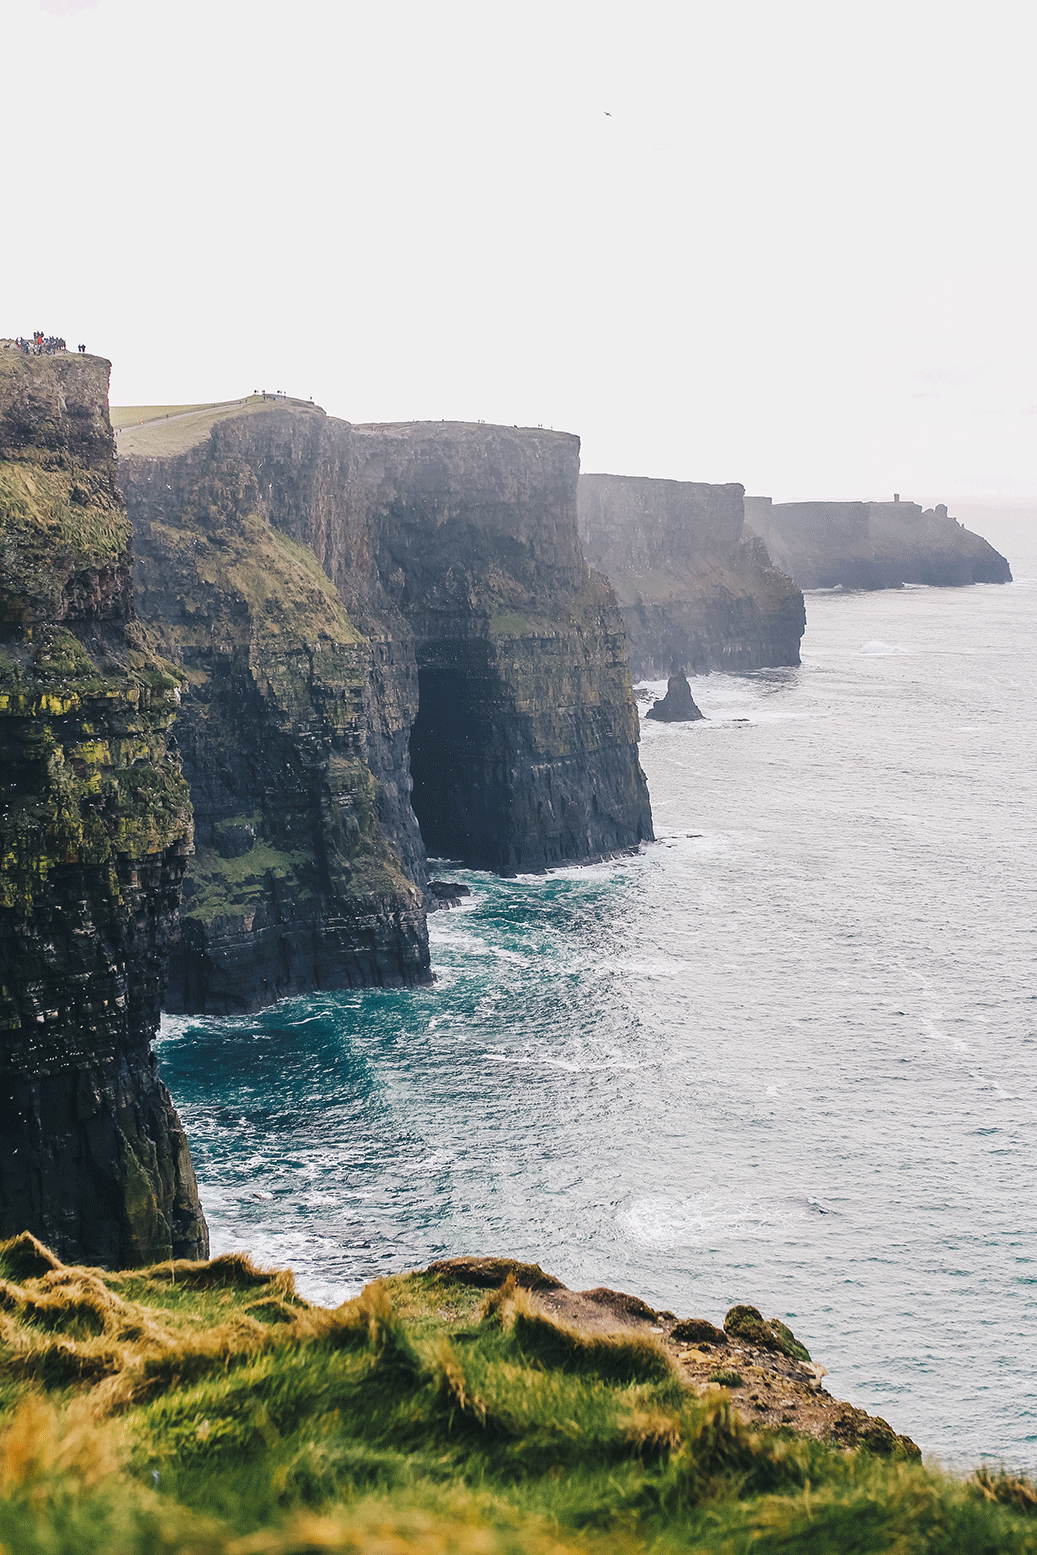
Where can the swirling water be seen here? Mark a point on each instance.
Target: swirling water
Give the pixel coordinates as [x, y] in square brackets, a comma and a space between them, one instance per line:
[787, 1055]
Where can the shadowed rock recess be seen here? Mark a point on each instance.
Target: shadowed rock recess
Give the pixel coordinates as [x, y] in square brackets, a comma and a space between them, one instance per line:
[873, 545]
[464, 669]
[95, 826]
[695, 589]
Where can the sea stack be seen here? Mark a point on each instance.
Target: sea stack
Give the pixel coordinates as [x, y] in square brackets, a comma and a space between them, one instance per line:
[95, 828]
[678, 705]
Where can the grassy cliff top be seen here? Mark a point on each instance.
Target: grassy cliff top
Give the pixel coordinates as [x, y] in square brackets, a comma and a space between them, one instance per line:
[162, 431]
[475, 1407]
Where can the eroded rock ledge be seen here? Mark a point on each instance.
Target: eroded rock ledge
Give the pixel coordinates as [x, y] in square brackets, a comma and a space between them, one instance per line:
[768, 1372]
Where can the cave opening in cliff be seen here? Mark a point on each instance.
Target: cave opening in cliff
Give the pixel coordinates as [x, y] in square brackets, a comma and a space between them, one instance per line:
[458, 800]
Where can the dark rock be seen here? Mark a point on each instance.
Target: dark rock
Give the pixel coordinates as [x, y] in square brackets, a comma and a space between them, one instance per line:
[678, 705]
[873, 545]
[294, 884]
[746, 1323]
[694, 587]
[447, 893]
[696, 1330]
[95, 827]
[622, 1305]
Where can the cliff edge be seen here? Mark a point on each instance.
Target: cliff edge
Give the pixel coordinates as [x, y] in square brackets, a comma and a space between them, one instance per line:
[694, 588]
[95, 827]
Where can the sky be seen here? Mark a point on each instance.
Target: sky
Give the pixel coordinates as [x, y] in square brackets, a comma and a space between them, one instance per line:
[784, 242]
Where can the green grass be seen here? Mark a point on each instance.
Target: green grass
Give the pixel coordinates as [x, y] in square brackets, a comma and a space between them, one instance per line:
[134, 415]
[208, 1408]
[162, 431]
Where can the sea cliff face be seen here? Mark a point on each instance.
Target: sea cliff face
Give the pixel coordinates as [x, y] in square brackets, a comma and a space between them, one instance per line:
[95, 827]
[524, 744]
[696, 591]
[294, 885]
[873, 545]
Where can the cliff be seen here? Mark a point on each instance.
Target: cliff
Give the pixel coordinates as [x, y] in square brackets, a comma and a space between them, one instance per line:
[492, 698]
[95, 826]
[294, 884]
[524, 742]
[873, 545]
[695, 590]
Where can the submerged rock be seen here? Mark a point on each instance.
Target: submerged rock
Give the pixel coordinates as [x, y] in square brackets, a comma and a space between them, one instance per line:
[678, 705]
[95, 828]
[448, 893]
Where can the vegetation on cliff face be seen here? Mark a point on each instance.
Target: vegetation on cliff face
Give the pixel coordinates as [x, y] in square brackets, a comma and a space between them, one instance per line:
[95, 824]
[206, 1407]
[86, 774]
[85, 702]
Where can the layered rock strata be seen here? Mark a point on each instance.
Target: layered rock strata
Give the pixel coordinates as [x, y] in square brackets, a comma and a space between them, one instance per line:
[873, 545]
[678, 705]
[524, 745]
[95, 827]
[494, 700]
[294, 884]
[694, 588]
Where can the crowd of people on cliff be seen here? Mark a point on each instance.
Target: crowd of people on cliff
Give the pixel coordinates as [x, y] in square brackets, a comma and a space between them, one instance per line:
[43, 345]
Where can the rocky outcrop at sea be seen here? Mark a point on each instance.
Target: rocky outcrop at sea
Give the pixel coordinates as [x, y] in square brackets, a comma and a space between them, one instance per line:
[678, 705]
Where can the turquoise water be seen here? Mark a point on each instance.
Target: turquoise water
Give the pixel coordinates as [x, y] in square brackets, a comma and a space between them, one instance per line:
[787, 1055]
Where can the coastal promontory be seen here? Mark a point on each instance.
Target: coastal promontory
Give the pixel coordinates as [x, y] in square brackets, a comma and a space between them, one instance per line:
[873, 545]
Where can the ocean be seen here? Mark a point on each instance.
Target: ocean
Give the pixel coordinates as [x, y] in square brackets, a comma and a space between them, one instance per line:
[787, 1055]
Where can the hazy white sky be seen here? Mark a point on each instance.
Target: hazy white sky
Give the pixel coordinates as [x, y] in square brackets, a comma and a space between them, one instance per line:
[787, 243]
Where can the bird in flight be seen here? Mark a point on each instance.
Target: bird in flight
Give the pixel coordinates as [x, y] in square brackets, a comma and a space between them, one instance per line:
[607, 114]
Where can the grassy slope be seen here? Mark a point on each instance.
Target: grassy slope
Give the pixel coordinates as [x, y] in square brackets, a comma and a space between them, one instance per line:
[207, 1408]
[162, 431]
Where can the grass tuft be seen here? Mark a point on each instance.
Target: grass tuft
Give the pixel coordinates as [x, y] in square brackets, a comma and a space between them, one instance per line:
[205, 1409]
